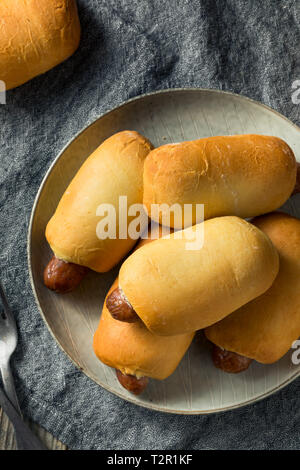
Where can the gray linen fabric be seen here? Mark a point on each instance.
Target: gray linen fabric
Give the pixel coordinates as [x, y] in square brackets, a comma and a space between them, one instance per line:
[131, 47]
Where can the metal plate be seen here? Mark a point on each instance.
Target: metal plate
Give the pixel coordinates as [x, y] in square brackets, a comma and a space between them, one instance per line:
[168, 116]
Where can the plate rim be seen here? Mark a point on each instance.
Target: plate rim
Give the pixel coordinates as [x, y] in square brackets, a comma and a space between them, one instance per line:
[130, 399]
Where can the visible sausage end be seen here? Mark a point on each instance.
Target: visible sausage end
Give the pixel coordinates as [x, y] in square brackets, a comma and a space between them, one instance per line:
[229, 361]
[62, 277]
[132, 383]
[119, 307]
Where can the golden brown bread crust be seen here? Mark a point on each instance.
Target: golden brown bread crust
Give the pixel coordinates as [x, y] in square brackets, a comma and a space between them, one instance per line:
[243, 175]
[115, 168]
[36, 35]
[265, 328]
[175, 290]
[134, 350]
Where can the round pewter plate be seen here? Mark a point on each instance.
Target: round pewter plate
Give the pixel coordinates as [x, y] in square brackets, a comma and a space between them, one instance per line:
[169, 116]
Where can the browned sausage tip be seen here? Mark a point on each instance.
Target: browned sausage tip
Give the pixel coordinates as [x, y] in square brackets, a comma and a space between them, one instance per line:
[229, 361]
[132, 383]
[62, 276]
[119, 307]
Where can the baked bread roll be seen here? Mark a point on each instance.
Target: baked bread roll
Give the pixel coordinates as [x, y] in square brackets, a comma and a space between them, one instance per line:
[175, 290]
[242, 175]
[266, 327]
[132, 349]
[114, 169]
[35, 36]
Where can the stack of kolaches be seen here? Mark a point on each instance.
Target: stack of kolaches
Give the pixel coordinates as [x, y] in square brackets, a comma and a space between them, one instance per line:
[240, 284]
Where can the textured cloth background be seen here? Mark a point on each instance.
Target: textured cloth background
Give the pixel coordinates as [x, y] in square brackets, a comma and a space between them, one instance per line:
[130, 47]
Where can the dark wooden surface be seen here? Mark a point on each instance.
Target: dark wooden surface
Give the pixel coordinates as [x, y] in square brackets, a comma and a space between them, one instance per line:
[7, 439]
